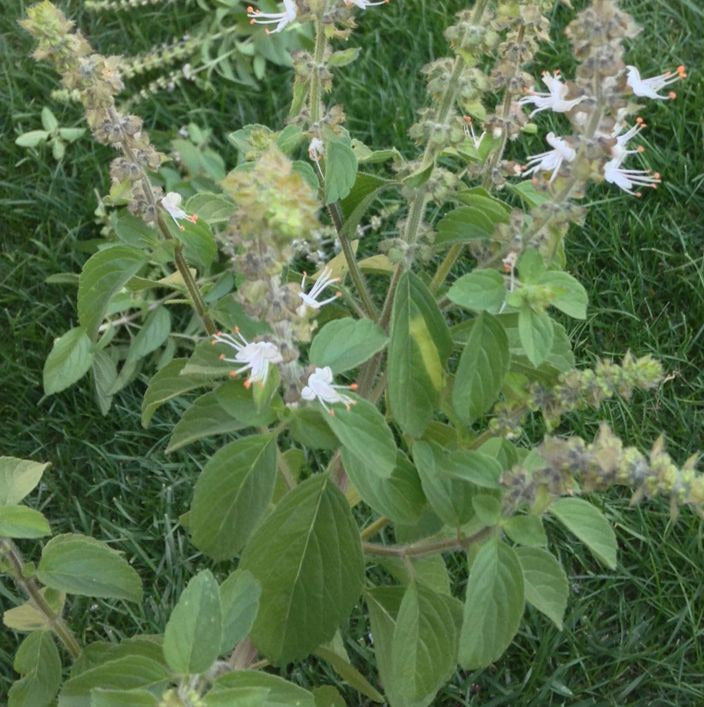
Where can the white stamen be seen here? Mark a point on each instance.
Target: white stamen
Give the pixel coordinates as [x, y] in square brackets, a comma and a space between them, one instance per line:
[280, 19]
[256, 356]
[364, 4]
[172, 204]
[311, 298]
[626, 179]
[554, 99]
[648, 88]
[552, 160]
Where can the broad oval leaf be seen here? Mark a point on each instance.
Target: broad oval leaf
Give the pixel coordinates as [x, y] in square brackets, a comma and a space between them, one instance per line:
[279, 691]
[493, 606]
[545, 581]
[211, 208]
[22, 522]
[18, 477]
[420, 344]
[569, 295]
[68, 361]
[588, 523]
[345, 343]
[363, 431]
[239, 601]
[307, 556]
[78, 564]
[424, 644]
[232, 494]
[449, 497]
[340, 169]
[151, 336]
[536, 333]
[479, 290]
[467, 223]
[400, 496]
[482, 369]
[37, 660]
[193, 633]
[103, 275]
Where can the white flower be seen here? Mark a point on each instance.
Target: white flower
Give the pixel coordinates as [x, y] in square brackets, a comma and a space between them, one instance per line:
[555, 98]
[623, 138]
[311, 299]
[627, 179]
[469, 131]
[320, 387]
[648, 88]
[552, 160]
[256, 356]
[316, 149]
[172, 203]
[280, 19]
[364, 4]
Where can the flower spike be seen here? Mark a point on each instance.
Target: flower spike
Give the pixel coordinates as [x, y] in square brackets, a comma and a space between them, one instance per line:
[552, 159]
[320, 387]
[648, 88]
[311, 298]
[256, 356]
[172, 204]
[280, 19]
[627, 179]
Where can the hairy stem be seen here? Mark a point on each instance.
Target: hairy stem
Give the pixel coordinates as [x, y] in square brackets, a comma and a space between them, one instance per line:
[427, 548]
[32, 590]
[374, 527]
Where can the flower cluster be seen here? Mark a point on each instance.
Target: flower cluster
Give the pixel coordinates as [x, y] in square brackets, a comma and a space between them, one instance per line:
[96, 80]
[570, 465]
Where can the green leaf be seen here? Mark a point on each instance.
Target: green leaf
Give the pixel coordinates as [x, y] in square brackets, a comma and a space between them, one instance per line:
[531, 267]
[167, 384]
[546, 583]
[129, 672]
[588, 523]
[340, 169]
[58, 149]
[104, 372]
[239, 599]
[307, 555]
[151, 336]
[232, 494]
[479, 290]
[103, 276]
[420, 344]
[27, 617]
[71, 134]
[349, 673]
[400, 496]
[22, 522]
[133, 232]
[69, 360]
[418, 178]
[493, 605]
[343, 57]
[31, 138]
[449, 497]
[526, 530]
[328, 696]
[18, 478]
[424, 644]
[363, 431]
[308, 427]
[494, 209]
[366, 189]
[281, 692]
[467, 223]
[38, 661]
[469, 465]
[204, 418]
[345, 343]
[289, 139]
[488, 509]
[211, 208]
[77, 564]
[100, 697]
[481, 370]
[237, 697]
[536, 333]
[193, 633]
[238, 401]
[569, 296]
[430, 571]
[49, 122]
[199, 245]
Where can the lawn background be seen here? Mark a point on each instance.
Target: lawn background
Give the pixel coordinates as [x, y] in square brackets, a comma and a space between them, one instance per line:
[633, 636]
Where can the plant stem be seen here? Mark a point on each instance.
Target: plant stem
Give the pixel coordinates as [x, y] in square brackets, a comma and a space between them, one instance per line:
[373, 528]
[428, 548]
[32, 590]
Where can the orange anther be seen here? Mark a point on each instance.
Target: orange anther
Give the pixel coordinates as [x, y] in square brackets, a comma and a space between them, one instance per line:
[248, 384]
[221, 357]
[672, 95]
[354, 386]
[232, 374]
[682, 71]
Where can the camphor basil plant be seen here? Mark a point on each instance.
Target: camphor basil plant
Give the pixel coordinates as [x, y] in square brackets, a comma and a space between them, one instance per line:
[375, 397]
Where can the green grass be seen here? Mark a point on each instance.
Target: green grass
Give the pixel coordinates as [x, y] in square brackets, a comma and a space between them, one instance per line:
[633, 636]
